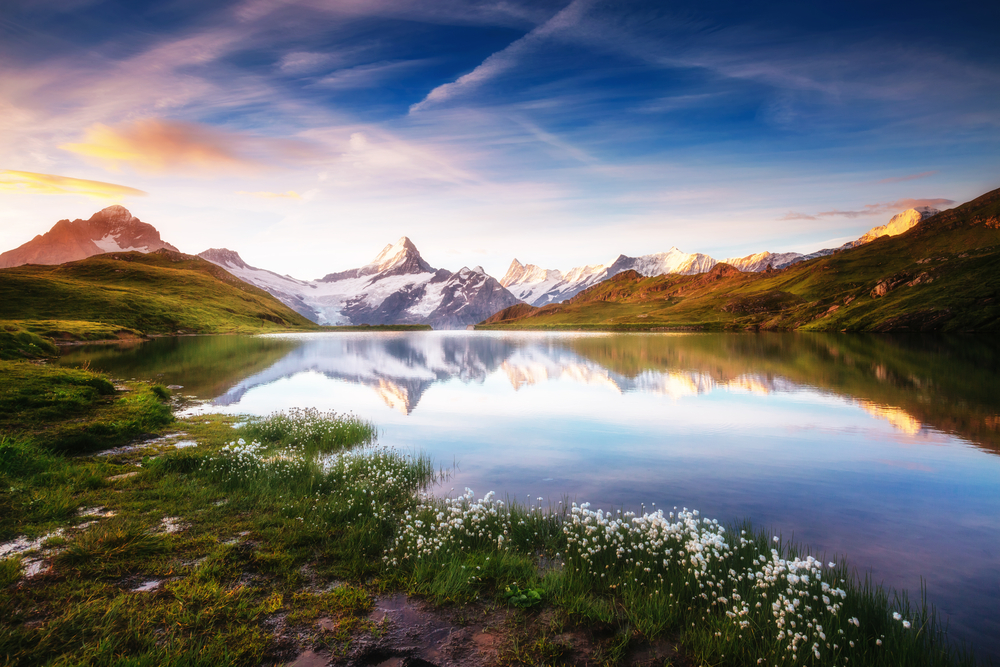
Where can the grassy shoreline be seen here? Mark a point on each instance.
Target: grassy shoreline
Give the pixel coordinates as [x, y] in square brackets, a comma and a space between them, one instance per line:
[267, 537]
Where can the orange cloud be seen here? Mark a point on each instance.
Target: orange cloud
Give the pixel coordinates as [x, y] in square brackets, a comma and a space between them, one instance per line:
[49, 184]
[155, 145]
[291, 194]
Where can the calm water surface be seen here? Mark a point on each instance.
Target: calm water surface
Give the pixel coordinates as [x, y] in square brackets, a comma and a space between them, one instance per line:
[886, 450]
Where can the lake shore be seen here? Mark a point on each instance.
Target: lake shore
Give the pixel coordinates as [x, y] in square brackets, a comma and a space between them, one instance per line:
[261, 552]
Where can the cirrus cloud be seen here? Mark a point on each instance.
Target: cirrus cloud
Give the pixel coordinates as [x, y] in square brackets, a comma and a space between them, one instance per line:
[28, 182]
[291, 194]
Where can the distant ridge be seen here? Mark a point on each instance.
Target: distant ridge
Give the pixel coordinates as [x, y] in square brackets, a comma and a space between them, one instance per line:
[924, 271]
[539, 287]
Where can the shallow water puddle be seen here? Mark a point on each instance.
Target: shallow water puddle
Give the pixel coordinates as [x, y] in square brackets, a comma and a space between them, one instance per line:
[147, 586]
[22, 544]
[172, 524]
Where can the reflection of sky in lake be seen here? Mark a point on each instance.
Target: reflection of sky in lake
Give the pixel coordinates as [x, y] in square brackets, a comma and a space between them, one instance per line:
[525, 415]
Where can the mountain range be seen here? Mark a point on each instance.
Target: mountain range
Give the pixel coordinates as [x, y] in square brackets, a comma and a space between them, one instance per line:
[398, 286]
[940, 274]
[539, 287]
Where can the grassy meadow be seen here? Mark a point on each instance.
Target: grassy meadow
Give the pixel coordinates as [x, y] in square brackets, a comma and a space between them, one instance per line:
[130, 294]
[243, 541]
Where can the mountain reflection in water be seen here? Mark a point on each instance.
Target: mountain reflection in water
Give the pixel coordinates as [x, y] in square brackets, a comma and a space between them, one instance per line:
[881, 448]
[903, 381]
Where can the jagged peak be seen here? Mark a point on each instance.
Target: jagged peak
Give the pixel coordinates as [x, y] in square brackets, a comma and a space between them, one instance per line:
[223, 256]
[479, 269]
[393, 250]
[115, 214]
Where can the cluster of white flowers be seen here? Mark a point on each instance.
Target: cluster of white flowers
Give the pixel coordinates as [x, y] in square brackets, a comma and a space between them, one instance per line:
[308, 426]
[438, 526]
[689, 559]
[370, 482]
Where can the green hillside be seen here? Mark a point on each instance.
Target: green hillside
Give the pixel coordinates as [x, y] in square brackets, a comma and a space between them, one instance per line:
[942, 275]
[129, 293]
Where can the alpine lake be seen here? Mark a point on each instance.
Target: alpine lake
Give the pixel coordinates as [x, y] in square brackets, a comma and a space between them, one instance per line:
[882, 449]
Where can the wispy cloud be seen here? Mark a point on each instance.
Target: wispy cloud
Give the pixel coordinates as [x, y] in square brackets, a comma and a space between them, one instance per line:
[507, 58]
[910, 177]
[872, 209]
[50, 184]
[291, 194]
[156, 145]
[367, 76]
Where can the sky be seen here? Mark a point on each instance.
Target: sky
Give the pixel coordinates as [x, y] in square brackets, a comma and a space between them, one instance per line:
[308, 134]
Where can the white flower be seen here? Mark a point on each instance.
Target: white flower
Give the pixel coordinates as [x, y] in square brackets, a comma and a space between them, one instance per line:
[906, 624]
[896, 616]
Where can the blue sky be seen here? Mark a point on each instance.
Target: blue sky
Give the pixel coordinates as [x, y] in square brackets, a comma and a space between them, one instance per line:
[307, 134]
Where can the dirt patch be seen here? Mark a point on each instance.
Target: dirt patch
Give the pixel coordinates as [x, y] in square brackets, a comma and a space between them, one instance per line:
[413, 633]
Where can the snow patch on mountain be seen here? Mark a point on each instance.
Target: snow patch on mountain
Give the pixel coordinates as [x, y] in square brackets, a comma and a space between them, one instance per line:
[397, 287]
[538, 287]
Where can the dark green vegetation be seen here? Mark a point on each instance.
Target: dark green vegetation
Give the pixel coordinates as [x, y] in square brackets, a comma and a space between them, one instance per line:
[206, 366]
[17, 343]
[129, 293]
[74, 411]
[275, 534]
[939, 276]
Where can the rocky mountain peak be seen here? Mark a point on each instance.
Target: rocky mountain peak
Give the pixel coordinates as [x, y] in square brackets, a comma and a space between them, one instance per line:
[113, 218]
[514, 273]
[224, 257]
[395, 253]
[901, 222]
[112, 229]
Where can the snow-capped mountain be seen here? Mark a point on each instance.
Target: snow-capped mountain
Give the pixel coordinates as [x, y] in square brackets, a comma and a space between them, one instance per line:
[759, 261]
[397, 287]
[284, 288]
[538, 286]
[112, 229]
[901, 222]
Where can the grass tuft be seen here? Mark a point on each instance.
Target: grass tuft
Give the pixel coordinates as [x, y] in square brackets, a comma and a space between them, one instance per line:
[10, 570]
[111, 547]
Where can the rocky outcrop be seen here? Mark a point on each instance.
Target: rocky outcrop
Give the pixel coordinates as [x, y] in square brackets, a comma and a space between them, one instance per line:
[112, 229]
